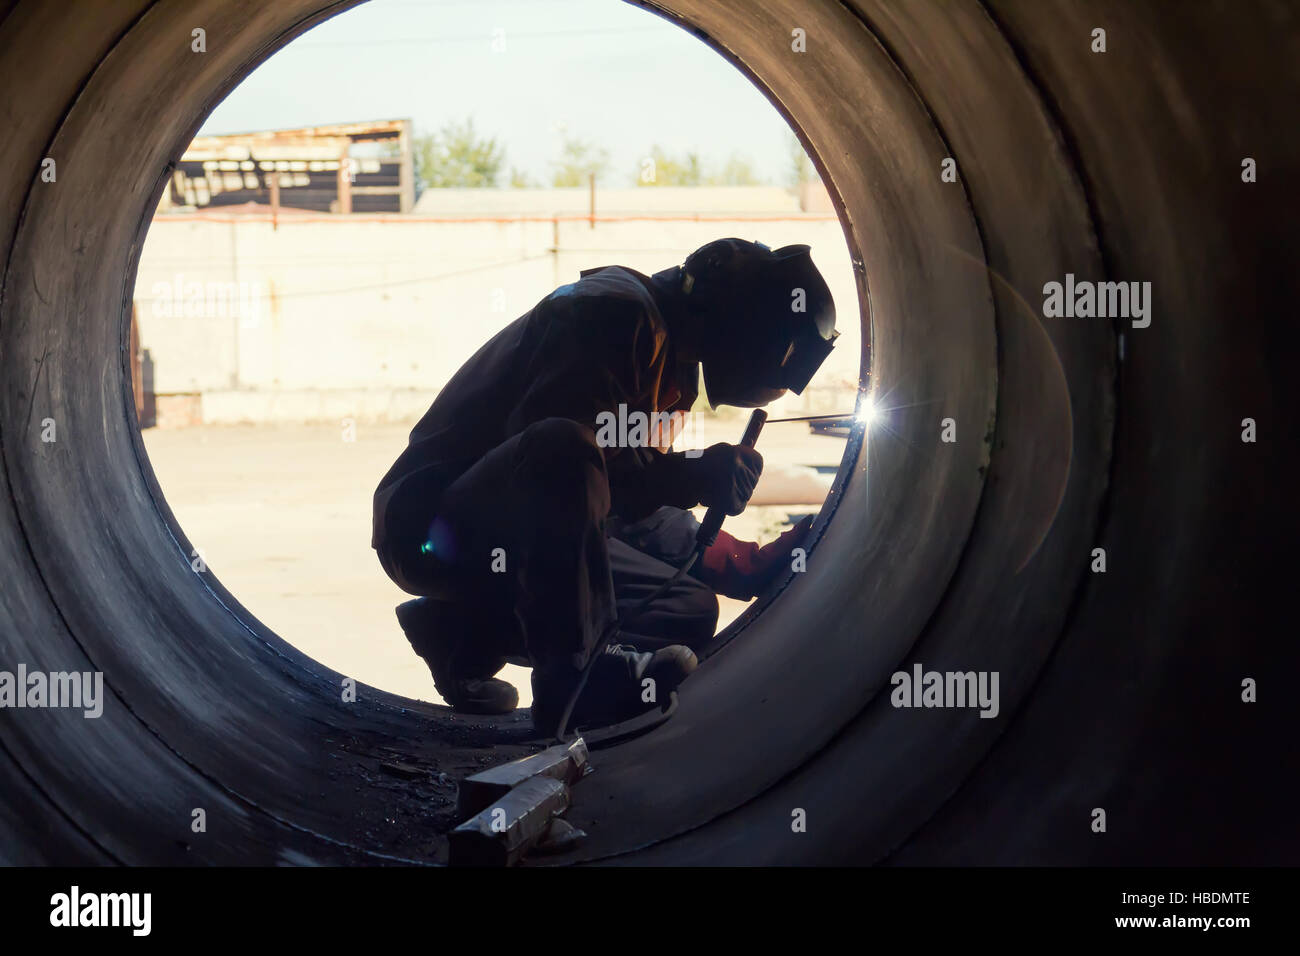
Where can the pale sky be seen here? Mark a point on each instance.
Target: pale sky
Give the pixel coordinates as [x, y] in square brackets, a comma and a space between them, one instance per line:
[605, 71]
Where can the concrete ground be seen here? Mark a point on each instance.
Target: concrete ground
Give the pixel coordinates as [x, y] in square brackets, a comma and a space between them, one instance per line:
[281, 515]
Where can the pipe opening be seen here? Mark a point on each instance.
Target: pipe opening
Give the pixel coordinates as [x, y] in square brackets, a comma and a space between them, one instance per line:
[303, 293]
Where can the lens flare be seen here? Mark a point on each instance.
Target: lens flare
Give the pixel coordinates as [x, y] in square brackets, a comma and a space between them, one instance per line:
[866, 413]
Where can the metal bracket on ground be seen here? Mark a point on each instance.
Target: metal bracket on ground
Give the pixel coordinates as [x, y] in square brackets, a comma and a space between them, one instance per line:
[515, 807]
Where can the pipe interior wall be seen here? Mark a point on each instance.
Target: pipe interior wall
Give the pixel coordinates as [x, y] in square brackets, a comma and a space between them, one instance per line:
[1119, 690]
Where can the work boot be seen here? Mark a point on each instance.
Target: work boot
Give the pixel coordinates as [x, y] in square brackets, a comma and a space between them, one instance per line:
[461, 672]
[615, 691]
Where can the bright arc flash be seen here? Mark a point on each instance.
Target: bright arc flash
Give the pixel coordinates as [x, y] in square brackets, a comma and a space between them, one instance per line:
[866, 413]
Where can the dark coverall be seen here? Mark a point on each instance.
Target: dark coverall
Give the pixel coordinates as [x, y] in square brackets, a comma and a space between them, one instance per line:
[507, 458]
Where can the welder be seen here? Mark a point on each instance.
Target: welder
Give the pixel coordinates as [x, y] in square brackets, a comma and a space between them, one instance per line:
[525, 537]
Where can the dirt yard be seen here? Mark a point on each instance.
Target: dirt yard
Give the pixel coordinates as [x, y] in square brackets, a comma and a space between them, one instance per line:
[282, 517]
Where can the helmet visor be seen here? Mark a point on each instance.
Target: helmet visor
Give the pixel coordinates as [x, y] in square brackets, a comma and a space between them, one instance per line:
[804, 358]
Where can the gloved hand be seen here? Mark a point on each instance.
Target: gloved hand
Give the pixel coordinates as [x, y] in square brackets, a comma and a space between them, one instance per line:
[740, 569]
[724, 476]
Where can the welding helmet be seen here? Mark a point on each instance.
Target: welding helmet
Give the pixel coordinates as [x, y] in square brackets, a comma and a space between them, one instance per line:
[768, 319]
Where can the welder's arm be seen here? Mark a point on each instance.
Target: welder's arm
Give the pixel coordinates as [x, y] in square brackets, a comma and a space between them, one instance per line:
[723, 476]
[599, 354]
[644, 479]
[590, 364]
[741, 569]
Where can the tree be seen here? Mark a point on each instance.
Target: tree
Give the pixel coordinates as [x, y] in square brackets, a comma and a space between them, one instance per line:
[456, 156]
[737, 172]
[801, 167]
[660, 169]
[520, 179]
[578, 161]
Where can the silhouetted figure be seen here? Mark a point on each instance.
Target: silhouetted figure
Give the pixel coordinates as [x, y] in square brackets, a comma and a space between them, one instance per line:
[525, 522]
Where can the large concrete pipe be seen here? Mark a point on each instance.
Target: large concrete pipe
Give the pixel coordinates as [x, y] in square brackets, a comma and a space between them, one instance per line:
[1120, 690]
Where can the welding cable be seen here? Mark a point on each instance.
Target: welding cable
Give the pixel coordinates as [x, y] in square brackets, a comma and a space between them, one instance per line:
[637, 610]
[704, 538]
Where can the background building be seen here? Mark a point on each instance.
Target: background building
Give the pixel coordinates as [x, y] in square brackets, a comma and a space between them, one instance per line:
[248, 314]
[342, 168]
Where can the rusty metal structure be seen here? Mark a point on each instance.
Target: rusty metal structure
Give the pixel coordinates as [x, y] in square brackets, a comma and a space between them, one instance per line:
[317, 168]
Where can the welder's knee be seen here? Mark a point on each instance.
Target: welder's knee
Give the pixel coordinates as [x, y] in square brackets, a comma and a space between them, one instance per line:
[553, 439]
[560, 463]
[558, 448]
[697, 612]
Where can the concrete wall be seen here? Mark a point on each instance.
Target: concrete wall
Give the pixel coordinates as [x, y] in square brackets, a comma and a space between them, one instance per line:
[713, 200]
[320, 318]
